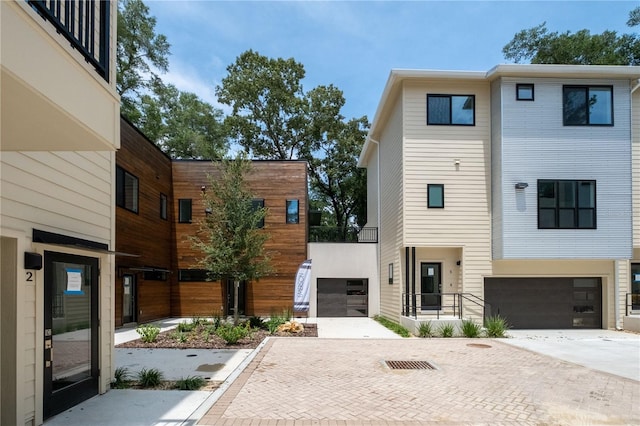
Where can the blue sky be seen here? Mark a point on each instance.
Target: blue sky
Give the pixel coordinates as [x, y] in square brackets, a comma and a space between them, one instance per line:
[354, 44]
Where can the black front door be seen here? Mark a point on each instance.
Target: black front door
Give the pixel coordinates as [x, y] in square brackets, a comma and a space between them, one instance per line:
[241, 297]
[70, 331]
[430, 286]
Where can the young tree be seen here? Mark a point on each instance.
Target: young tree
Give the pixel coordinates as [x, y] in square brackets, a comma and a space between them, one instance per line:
[229, 239]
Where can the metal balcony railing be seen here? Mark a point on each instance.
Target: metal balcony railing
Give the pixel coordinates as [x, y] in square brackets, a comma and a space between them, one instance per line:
[85, 24]
[332, 234]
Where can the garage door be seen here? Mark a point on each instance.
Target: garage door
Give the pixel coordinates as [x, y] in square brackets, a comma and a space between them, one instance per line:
[545, 303]
[342, 297]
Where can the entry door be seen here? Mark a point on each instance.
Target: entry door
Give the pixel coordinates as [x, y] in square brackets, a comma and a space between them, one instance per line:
[430, 285]
[241, 297]
[70, 331]
[128, 298]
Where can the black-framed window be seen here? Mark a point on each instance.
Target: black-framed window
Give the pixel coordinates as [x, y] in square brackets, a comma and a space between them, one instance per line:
[126, 190]
[184, 210]
[293, 212]
[587, 105]
[435, 196]
[193, 275]
[524, 92]
[258, 203]
[566, 204]
[163, 206]
[154, 275]
[451, 110]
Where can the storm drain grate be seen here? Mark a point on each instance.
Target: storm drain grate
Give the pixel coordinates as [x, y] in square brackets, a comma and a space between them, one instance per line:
[409, 365]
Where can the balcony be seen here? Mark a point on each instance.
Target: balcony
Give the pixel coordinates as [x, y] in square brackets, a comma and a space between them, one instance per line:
[331, 234]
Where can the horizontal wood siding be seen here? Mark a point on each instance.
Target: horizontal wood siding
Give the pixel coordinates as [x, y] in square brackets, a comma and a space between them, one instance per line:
[201, 299]
[273, 181]
[144, 233]
[536, 145]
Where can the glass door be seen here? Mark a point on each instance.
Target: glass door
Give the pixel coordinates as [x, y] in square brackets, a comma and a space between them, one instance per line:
[430, 286]
[128, 299]
[70, 331]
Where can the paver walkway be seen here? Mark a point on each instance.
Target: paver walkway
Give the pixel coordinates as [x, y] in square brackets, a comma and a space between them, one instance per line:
[345, 382]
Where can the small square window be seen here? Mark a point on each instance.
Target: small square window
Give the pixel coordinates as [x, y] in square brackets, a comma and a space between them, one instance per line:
[435, 196]
[524, 92]
[293, 215]
[184, 210]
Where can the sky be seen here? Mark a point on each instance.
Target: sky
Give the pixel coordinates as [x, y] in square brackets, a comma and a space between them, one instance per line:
[355, 44]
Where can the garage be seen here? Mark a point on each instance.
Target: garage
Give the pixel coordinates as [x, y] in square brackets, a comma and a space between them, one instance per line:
[545, 303]
[342, 297]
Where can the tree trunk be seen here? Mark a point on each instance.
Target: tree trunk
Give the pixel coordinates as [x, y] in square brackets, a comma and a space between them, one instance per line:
[236, 291]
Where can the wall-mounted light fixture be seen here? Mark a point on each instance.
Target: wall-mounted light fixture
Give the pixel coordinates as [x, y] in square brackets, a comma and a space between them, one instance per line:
[456, 162]
[521, 185]
[203, 188]
[391, 273]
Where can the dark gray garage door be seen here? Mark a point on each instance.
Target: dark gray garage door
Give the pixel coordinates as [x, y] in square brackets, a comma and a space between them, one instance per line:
[342, 297]
[546, 303]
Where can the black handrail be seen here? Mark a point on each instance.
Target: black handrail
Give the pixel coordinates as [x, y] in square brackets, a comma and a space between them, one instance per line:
[456, 305]
[76, 20]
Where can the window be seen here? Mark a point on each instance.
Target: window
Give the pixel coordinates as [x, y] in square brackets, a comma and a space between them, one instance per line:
[163, 206]
[154, 275]
[126, 190]
[524, 92]
[293, 215]
[193, 275]
[256, 204]
[435, 196]
[184, 210]
[566, 204]
[456, 110]
[587, 105]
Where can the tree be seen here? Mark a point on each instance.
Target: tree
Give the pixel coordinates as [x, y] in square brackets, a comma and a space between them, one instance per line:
[540, 46]
[229, 239]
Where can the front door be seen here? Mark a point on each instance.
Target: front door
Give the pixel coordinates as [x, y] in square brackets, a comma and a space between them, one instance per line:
[70, 331]
[430, 285]
[128, 298]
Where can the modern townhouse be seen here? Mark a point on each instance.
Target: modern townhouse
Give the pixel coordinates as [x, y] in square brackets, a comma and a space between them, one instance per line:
[507, 192]
[60, 117]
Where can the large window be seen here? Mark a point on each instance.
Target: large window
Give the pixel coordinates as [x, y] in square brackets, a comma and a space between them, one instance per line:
[184, 210]
[126, 190]
[293, 214]
[258, 203]
[566, 204]
[587, 105]
[458, 110]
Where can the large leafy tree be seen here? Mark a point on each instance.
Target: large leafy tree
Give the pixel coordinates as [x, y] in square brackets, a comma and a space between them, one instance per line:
[538, 45]
[229, 239]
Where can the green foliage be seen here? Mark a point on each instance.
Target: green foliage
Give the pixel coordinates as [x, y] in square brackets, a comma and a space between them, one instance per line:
[148, 332]
[446, 330]
[190, 383]
[180, 336]
[185, 326]
[277, 319]
[470, 328]
[393, 326]
[121, 378]
[149, 378]
[232, 333]
[496, 326]
[256, 322]
[425, 329]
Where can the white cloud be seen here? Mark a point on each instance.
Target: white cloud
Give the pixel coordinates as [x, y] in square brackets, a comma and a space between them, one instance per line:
[187, 78]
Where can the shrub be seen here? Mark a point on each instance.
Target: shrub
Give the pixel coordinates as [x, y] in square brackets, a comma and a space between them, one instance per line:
[495, 326]
[231, 334]
[446, 330]
[277, 319]
[149, 378]
[186, 327]
[148, 332]
[470, 328]
[190, 383]
[393, 326]
[256, 322]
[179, 336]
[425, 329]
[121, 378]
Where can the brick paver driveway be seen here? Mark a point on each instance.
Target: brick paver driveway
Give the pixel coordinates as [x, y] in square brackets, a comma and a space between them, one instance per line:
[310, 381]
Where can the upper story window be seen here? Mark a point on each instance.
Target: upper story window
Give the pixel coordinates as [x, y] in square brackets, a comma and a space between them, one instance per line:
[126, 190]
[524, 92]
[184, 210]
[435, 196]
[567, 204]
[293, 213]
[163, 206]
[587, 105]
[258, 203]
[451, 110]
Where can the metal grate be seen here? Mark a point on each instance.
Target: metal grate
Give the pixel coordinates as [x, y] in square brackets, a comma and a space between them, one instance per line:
[409, 365]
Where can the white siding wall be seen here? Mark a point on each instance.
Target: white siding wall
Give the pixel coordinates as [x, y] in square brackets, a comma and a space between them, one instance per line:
[429, 155]
[636, 168]
[496, 170]
[535, 145]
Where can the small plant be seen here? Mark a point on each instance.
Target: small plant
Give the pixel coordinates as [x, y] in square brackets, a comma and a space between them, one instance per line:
[393, 326]
[470, 329]
[148, 332]
[217, 318]
[232, 333]
[179, 336]
[446, 330]
[425, 329]
[256, 322]
[190, 383]
[495, 326]
[121, 378]
[149, 378]
[277, 319]
[186, 327]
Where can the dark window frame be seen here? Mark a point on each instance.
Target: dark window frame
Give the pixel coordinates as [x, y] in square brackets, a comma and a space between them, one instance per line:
[587, 113]
[193, 275]
[122, 195]
[257, 203]
[296, 219]
[434, 205]
[164, 205]
[181, 217]
[577, 209]
[525, 85]
[431, 122]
